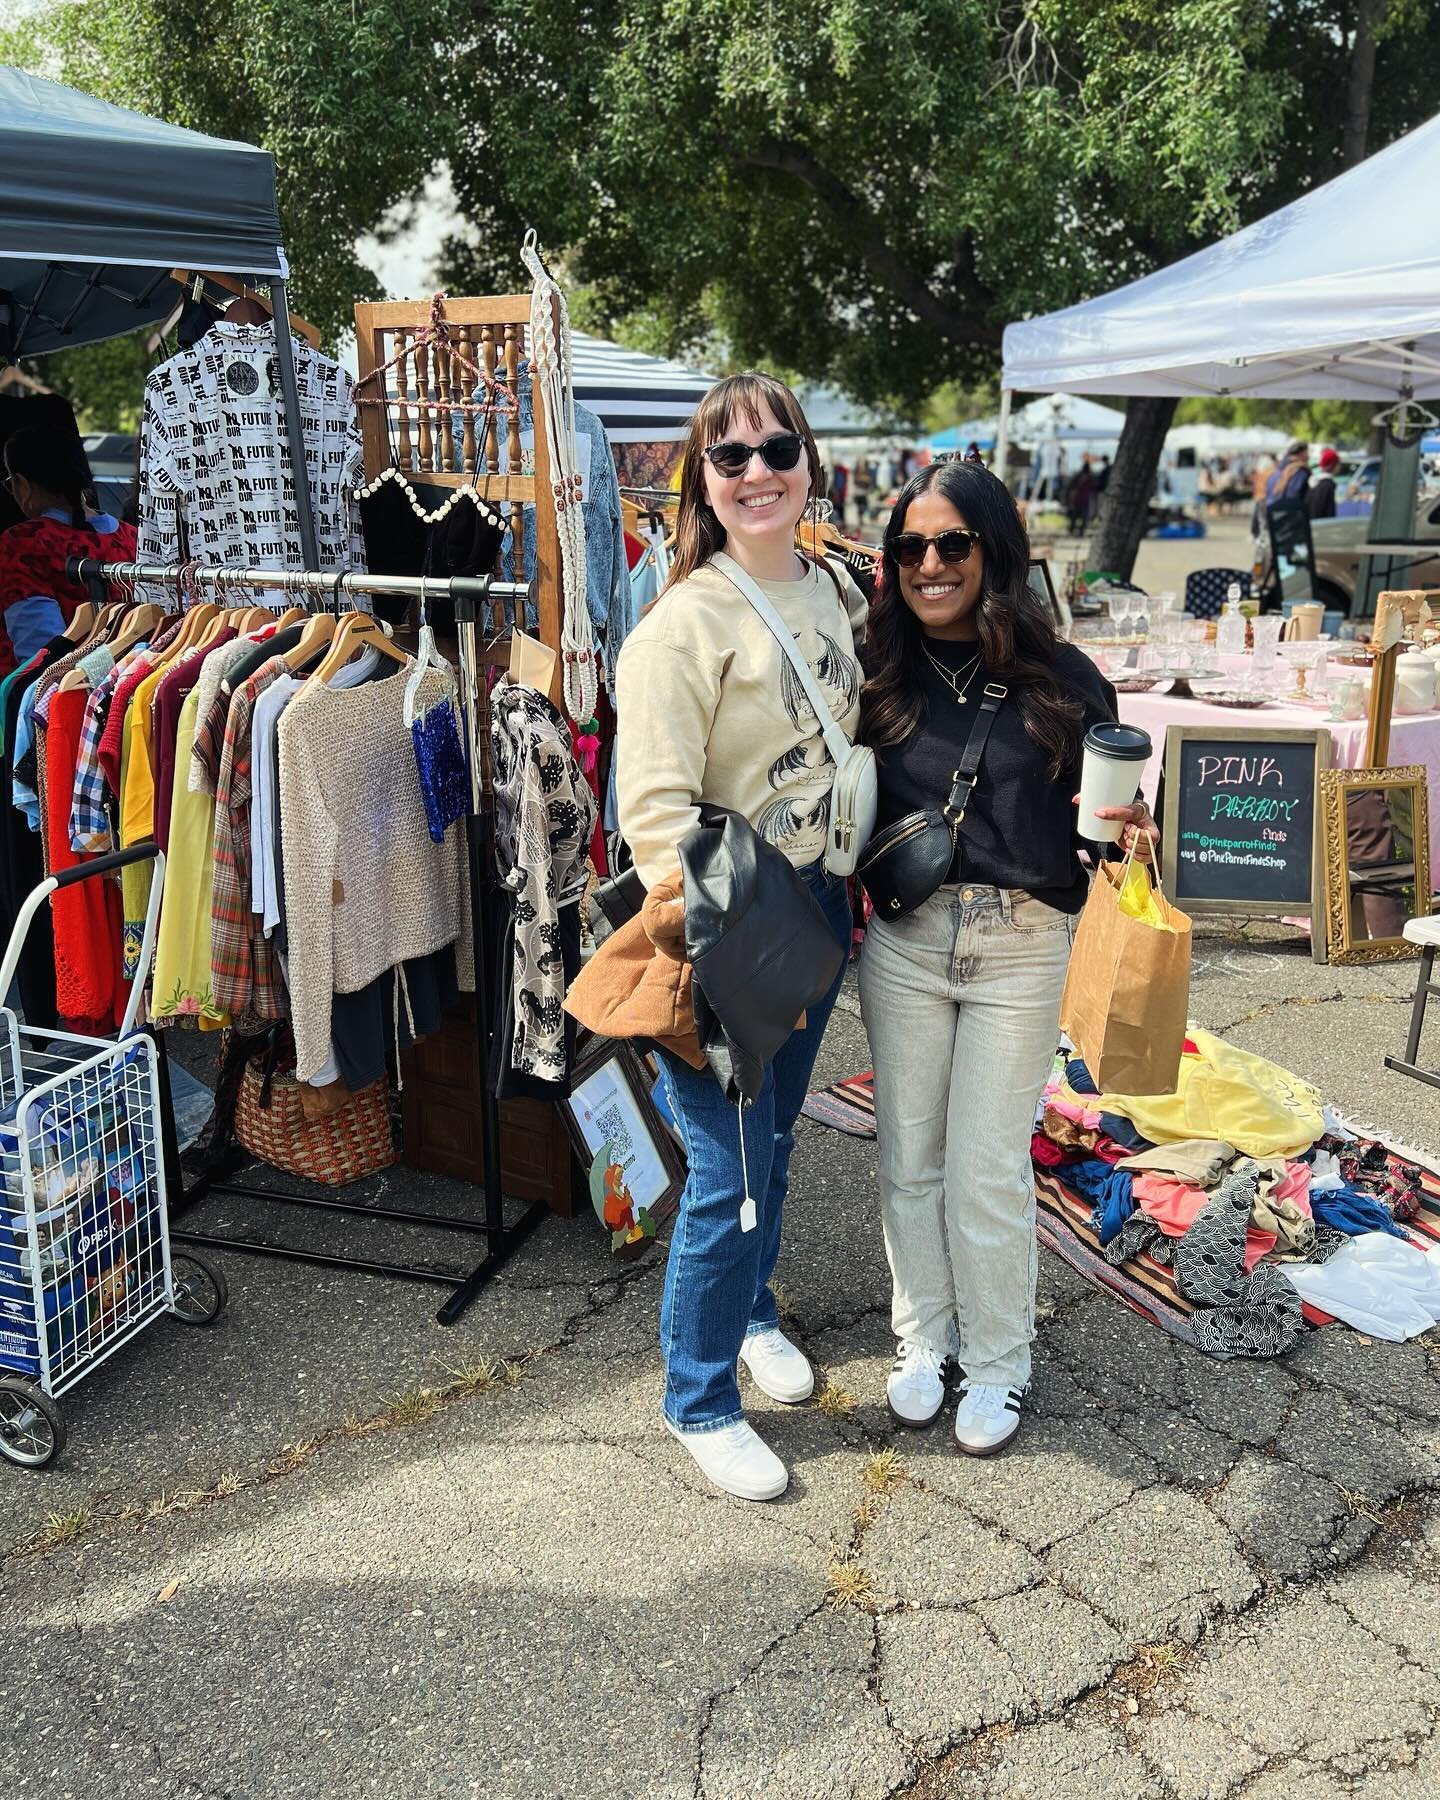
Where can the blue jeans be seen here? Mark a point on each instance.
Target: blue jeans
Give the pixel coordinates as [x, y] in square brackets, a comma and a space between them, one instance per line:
[717, 1281]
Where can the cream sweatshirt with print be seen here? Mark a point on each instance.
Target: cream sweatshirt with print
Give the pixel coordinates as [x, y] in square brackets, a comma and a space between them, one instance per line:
[710, 710]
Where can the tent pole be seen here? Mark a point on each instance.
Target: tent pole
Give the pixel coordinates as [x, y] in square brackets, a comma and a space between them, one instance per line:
[1002, 435]
[294, 429]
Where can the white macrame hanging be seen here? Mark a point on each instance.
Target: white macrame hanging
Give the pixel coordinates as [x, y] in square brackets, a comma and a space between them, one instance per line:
[550, 361]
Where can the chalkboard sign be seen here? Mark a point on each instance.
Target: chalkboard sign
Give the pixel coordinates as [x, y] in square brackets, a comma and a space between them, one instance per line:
[1241, 819]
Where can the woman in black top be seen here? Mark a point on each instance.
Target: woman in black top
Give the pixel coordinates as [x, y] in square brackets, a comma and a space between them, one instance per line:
[961, 997]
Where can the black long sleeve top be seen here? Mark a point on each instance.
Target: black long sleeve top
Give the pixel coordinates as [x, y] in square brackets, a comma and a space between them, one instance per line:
[1019, 828]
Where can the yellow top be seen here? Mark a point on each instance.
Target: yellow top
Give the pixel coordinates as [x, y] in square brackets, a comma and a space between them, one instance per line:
[137, 802]
[1224, 1092]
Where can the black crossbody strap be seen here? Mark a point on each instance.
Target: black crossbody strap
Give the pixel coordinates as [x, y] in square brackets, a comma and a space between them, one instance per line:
[963, 779]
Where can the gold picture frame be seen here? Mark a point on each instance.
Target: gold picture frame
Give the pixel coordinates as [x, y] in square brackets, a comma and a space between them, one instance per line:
[1390, 841]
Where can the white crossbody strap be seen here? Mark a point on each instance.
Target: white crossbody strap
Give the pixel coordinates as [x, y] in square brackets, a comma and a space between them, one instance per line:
[836, 741]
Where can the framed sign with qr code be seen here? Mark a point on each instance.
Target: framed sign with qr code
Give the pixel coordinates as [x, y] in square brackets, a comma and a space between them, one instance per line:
[610, 1104]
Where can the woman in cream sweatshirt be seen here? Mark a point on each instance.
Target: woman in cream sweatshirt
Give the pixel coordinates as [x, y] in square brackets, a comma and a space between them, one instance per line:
[710, 712]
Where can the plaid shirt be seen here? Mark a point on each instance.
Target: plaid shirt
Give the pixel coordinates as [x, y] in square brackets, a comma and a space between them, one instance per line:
[90, 824]
[245, 978]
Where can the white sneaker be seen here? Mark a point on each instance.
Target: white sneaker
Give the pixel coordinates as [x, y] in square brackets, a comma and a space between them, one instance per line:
[737, 1459]
[987, 1418]
[915, 1391]
[780, 1370]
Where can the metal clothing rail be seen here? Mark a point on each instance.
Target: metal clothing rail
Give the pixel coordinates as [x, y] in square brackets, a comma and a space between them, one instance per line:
[324, 584]
[469, 595]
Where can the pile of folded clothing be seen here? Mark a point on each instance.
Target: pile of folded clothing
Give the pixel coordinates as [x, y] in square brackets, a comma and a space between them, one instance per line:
[1266, 1209]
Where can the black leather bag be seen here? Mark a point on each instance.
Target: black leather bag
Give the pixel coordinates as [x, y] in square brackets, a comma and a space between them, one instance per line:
[759, 943]
[907, 861]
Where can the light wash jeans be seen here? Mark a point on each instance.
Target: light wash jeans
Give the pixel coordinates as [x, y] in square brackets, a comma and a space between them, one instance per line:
[961, 1000]
[717, 1278]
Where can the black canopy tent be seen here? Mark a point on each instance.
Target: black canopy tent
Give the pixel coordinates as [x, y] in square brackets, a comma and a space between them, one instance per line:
[98, 205]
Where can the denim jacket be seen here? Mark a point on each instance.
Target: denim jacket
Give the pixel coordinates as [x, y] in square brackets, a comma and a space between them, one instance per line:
[607, 573]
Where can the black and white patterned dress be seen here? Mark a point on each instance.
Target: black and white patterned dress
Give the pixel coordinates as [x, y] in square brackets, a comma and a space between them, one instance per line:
[544, 818]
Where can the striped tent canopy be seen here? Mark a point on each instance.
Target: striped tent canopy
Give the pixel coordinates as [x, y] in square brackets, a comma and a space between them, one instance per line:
[639, 399]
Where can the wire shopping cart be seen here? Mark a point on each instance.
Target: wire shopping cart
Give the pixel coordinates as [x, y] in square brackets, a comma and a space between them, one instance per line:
[85, 1260]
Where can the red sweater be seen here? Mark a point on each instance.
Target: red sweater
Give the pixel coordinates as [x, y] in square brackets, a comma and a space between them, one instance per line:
[32, 566]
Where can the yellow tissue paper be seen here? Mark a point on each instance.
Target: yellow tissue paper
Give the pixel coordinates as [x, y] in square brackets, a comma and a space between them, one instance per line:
[1138, 900]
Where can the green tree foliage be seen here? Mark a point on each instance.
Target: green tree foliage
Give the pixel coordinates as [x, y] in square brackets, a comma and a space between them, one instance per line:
[103, 382]
[863, 193]
[1320, 421]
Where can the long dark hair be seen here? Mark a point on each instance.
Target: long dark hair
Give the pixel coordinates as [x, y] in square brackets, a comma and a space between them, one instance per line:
[698, 533]
[54, 464]
[1017, 636]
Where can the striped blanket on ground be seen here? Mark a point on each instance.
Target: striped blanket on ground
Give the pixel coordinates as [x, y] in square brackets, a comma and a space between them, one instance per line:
[1063, 1216]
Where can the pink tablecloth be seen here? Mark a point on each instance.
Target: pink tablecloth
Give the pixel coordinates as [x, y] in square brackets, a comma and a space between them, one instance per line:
[1414, 738]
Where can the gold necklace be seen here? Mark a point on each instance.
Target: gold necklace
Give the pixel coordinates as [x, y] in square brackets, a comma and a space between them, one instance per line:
[952, 681]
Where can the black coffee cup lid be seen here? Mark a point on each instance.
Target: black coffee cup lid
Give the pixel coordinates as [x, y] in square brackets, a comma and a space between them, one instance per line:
[1124, 743]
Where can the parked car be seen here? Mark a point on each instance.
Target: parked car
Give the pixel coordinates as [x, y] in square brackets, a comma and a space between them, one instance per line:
[1337, 553]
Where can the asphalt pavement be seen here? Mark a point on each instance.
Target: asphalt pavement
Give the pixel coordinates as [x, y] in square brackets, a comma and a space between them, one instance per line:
[328, 1548]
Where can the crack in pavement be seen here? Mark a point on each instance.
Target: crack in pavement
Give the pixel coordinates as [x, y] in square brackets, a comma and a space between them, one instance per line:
[752, 1669]
[1271, 1007]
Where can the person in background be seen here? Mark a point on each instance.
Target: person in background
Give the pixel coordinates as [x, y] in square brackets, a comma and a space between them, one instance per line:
[47, 478]
[1320, 495]
[1102, 476]
[1080, 499]
[1288, 482]
[961, 996]
[839, 492]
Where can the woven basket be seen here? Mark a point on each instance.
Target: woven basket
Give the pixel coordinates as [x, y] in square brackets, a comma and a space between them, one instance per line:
[351, 1143]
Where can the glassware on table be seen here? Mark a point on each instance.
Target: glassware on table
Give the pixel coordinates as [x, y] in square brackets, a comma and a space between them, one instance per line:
[1265, 631]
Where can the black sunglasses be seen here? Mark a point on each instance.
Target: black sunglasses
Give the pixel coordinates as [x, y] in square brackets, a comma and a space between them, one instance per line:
[780, 453]
[954, 546]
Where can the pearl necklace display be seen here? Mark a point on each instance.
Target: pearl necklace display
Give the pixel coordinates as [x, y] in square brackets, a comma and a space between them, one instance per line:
[551, 363]
[467, 492]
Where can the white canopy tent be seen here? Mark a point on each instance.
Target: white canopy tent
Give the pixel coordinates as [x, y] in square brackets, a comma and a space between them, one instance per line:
[1066, 419]
[1226, 440]
[1335, 296]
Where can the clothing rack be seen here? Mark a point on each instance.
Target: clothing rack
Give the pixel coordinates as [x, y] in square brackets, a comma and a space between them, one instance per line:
[471, 595]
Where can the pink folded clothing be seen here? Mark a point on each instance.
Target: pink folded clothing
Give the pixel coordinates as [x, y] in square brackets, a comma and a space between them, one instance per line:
[1174, 1207]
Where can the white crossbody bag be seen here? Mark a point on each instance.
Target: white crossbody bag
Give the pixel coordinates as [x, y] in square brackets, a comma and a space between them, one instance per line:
[855, 795]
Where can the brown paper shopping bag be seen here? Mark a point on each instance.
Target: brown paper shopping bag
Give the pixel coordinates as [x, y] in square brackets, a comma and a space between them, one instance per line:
[1128, 990]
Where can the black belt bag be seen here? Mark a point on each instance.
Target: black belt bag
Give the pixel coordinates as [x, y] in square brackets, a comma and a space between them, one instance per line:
[906, 862]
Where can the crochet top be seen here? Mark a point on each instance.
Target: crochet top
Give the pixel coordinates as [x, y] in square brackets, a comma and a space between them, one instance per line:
[365, 887]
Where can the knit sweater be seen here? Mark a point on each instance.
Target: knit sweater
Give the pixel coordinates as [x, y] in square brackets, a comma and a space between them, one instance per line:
[710, 711]
[365, 887]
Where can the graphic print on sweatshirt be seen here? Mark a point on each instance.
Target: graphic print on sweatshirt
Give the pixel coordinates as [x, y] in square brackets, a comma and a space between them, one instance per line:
[795, 820]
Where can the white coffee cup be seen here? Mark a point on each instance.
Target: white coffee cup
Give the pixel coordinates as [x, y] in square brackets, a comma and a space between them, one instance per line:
[1115, 757]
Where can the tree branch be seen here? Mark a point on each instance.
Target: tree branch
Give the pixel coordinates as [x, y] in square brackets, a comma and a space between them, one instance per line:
[851, 215]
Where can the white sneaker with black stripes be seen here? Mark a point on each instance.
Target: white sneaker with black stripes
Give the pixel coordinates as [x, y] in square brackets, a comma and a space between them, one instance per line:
[915, 1391]
[987, 1417]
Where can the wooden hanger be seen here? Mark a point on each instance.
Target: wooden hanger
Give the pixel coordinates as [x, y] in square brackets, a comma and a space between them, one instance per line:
[253, 618]
[630, 516]
[197, 622]
[110, 616]
[135, 628]
[82, 622]
[358, 631]
[231, 284]
[316, 635]
[215, 630]
[292, 615]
